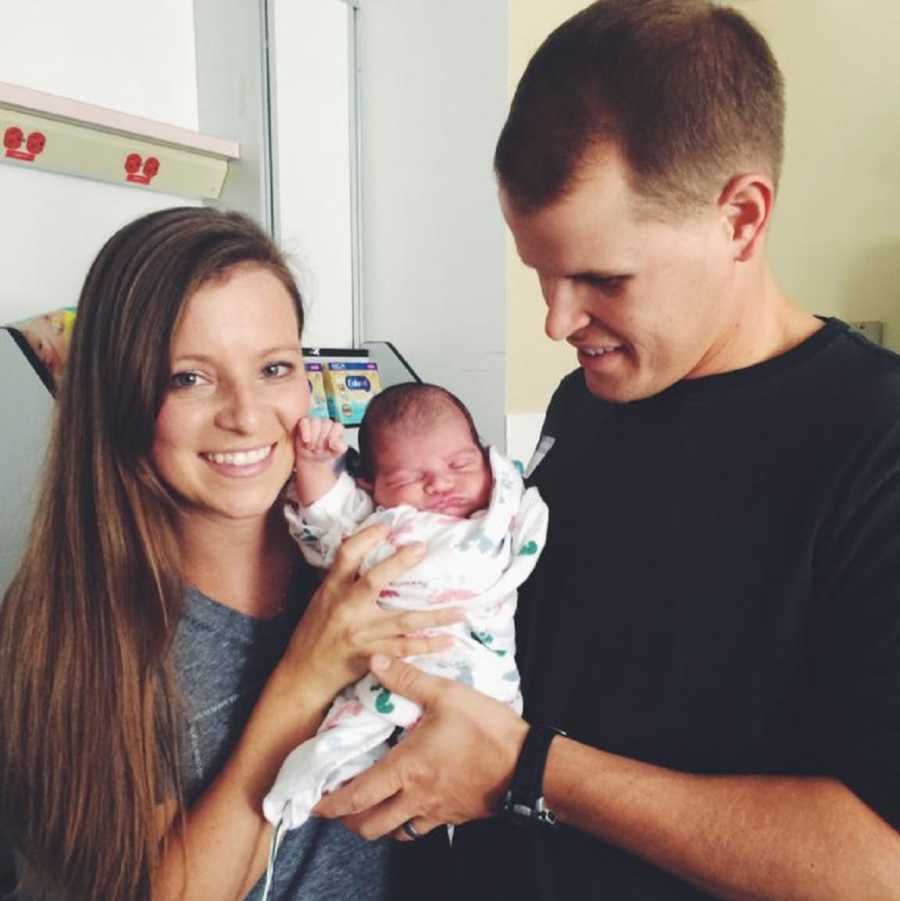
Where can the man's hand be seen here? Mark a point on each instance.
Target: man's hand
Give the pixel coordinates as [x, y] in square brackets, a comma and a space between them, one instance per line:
[454, 765]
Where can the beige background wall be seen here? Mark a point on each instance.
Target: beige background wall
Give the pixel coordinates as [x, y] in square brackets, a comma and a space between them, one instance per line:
[835, 243]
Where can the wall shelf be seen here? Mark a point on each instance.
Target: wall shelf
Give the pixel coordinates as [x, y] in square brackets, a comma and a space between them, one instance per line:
[56, 134]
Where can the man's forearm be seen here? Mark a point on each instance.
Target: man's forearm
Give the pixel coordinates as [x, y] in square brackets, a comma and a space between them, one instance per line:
[737, 837]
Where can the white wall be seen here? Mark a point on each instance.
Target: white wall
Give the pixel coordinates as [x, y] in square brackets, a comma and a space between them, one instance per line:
[433, 83]
[311, 150]
[835, 244]
[140, 61]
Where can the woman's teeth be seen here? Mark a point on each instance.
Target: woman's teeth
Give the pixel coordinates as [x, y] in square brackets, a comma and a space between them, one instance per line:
[598, 351]
[241, 458]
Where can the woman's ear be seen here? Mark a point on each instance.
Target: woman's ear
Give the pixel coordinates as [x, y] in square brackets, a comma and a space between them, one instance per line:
[746, 203]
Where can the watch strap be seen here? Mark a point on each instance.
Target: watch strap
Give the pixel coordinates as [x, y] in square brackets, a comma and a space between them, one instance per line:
[525, 797]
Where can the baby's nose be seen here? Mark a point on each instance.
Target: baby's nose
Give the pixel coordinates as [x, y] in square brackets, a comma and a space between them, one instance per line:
[438, 484]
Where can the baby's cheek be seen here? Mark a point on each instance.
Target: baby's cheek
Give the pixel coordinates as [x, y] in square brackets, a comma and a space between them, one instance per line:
[486, 488]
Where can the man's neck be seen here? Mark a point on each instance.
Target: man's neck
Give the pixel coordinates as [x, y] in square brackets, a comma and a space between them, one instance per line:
[764, 324]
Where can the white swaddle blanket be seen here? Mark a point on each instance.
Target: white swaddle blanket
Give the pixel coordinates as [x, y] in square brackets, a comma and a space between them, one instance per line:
[476, 564]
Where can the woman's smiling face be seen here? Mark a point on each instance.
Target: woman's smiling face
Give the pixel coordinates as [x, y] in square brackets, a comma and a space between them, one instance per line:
[224, 435]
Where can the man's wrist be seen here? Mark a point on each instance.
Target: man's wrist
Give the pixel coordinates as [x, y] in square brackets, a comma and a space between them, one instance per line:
[524, 800]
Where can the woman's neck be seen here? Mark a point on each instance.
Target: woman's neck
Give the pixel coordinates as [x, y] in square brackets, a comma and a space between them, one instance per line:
[245, 565]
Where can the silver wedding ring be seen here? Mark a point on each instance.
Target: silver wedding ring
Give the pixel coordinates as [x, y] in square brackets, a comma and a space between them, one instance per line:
[411, 830]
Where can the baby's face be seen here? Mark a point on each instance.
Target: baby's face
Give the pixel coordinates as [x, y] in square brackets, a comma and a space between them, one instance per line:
[46, 335]
[440, 469]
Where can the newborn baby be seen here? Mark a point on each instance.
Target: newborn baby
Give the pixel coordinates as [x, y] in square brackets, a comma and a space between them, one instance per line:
[423, 472]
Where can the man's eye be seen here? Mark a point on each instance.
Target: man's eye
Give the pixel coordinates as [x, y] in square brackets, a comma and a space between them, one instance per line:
[277, 370]
[603, 282]
[184, 380]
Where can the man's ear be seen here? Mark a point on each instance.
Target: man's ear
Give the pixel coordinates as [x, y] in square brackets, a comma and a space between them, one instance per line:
[746, 204]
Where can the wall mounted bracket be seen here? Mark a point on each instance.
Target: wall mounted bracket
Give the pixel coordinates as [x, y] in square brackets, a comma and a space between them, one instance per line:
[45, 131]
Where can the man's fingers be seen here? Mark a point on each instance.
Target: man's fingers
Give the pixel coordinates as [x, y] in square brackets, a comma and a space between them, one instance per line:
[375, 786]
[406, 680]
[384, 818]
[420, 827]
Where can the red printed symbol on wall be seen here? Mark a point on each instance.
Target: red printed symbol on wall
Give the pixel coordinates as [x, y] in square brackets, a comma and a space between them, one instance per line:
[139, 170]
[14, 137]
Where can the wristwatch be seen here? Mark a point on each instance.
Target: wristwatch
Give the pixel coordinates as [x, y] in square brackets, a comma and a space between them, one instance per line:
[524, 802]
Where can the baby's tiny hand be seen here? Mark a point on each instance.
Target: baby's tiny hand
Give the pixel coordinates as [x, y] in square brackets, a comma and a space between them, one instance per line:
[319, 440]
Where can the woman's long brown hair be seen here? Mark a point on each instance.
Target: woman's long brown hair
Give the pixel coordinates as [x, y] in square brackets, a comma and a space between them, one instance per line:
[90, 722]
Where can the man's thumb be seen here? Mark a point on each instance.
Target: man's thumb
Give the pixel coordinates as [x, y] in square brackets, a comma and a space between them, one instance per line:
[402, 678]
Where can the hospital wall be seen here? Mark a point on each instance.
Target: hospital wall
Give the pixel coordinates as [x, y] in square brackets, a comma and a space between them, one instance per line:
[140, 60]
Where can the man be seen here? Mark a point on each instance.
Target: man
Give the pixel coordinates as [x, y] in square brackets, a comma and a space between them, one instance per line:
[715, 622]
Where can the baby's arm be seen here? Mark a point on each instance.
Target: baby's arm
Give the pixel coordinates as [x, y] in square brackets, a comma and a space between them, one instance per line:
[317, 444]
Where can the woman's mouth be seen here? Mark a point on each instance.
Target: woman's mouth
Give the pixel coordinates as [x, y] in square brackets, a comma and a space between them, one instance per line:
[245, 462]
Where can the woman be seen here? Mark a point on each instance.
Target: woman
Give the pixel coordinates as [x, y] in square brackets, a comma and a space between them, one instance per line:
[154, 663]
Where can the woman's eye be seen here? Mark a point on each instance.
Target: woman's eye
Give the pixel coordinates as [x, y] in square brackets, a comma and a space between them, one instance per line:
[277, 370]
[185, 379]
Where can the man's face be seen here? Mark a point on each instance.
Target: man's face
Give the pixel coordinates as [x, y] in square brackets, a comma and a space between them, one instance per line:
[645, 303]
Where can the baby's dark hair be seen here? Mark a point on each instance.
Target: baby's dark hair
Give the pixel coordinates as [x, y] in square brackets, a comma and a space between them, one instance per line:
[415, 404]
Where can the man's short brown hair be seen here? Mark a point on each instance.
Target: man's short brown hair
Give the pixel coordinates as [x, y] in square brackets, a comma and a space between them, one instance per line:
[689, 92]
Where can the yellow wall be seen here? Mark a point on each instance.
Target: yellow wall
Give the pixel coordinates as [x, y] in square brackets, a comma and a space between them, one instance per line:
[534, 364]
[835, 243]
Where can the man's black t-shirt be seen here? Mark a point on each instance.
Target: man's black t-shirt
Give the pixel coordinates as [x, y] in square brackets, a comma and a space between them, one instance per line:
[720, 593]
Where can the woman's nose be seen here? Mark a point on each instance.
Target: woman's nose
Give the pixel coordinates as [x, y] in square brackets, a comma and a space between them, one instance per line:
[239, 411]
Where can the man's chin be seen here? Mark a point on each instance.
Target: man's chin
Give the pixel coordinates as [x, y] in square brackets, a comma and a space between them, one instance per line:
[614, 391]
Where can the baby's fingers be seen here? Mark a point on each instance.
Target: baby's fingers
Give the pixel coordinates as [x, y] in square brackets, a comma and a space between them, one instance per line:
[309, 433]
[304, 431]
[334, 438]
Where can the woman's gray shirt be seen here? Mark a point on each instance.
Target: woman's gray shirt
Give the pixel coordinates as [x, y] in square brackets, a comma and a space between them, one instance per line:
[222, 660]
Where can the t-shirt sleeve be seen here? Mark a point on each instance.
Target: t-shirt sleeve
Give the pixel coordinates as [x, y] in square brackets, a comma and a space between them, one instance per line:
[857, 703]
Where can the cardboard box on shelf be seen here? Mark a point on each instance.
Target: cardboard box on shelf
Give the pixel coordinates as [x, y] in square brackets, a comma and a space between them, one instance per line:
[349, 386]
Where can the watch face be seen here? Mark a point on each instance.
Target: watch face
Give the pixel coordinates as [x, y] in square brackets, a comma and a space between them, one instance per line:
[525, 813]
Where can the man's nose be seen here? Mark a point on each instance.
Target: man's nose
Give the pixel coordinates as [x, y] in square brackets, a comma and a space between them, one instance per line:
[240, 410]
[564, 313]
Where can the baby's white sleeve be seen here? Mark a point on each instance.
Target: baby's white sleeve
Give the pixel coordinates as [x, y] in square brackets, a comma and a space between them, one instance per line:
[320, 528]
